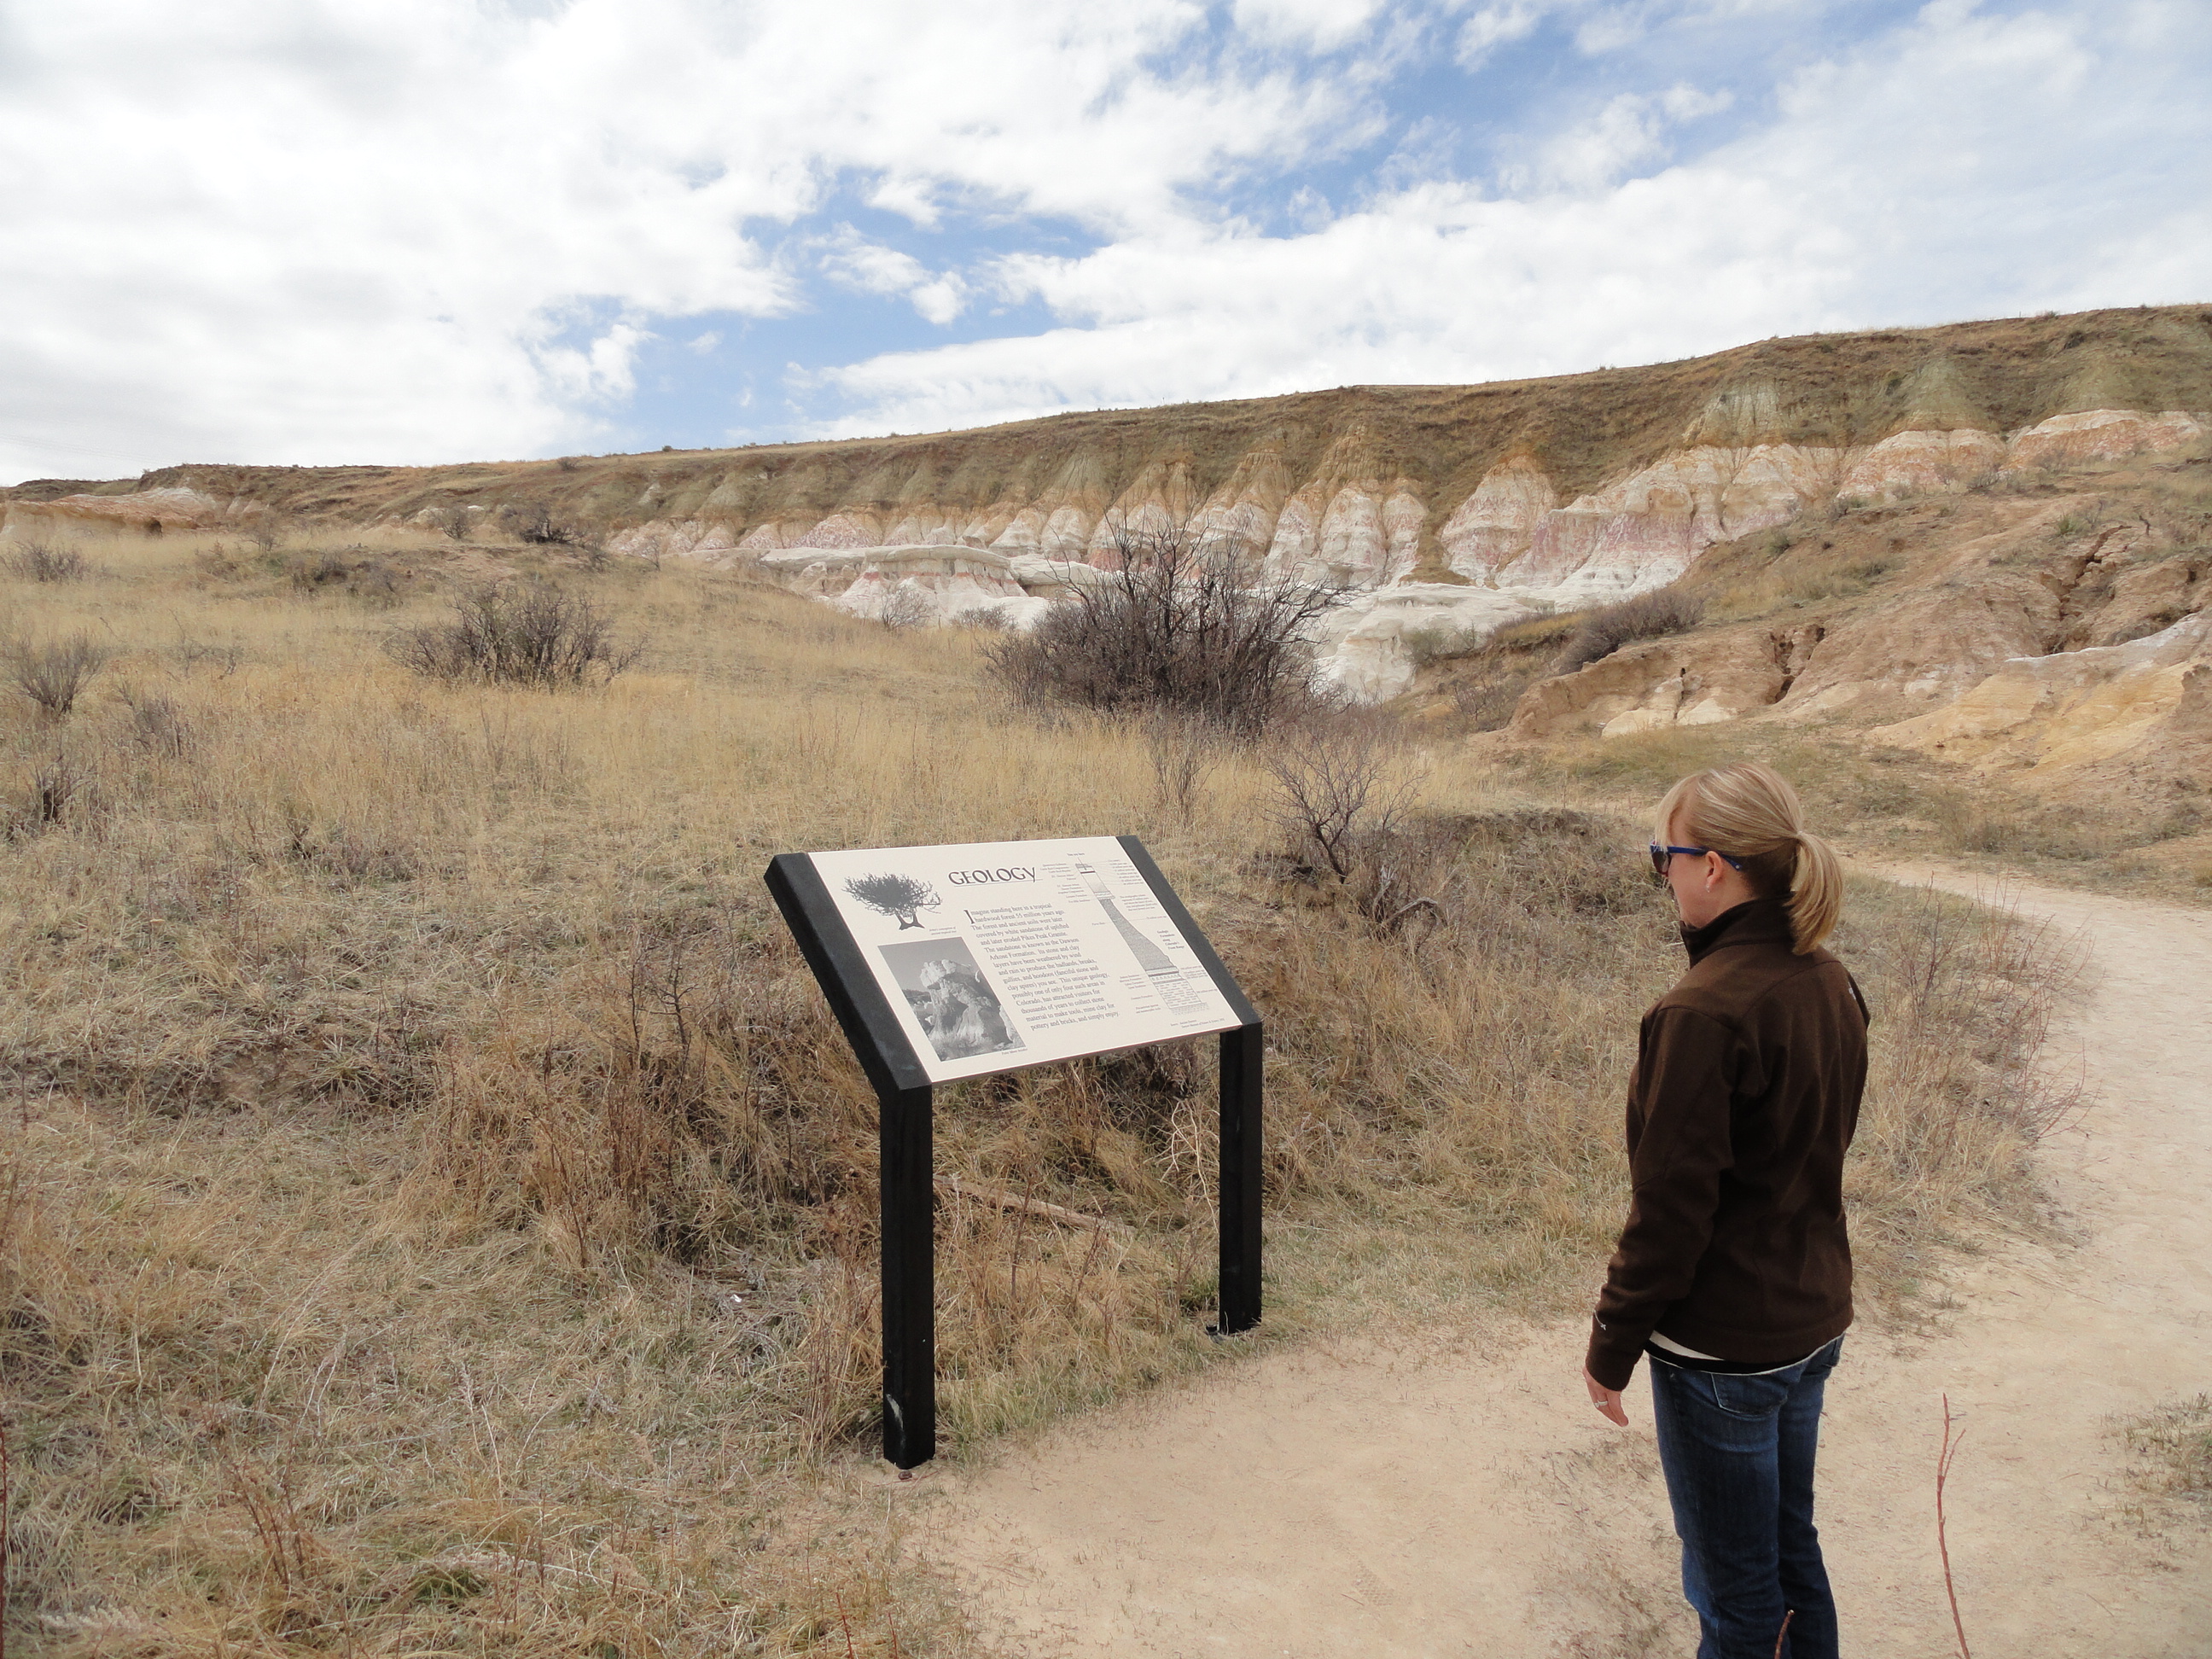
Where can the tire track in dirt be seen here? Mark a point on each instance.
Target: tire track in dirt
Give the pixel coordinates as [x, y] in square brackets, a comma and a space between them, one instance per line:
[1457, 1495]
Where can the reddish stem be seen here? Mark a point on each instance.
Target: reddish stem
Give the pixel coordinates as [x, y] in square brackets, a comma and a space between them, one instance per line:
[1943, 1542]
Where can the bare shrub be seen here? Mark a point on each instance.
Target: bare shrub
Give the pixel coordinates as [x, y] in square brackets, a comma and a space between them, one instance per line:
[1338, 785]
[452, 523]
[46, 561]
[157, 726]
[267, 532]
[1178, 627]
[1647, 617]
[907, 606]
[1344, 788]
[316, 567]
[56, 783]
[51, 673]
[535, 522]
[1183, 750]
[353, 570]
[528, 633]
[221, 660]
[1487, 704]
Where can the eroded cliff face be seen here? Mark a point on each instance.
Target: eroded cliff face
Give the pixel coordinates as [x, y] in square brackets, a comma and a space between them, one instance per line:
[1446, 512]
[2056, 630]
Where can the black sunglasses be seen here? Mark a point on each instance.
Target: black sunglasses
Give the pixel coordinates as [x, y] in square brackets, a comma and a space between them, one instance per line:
[1662, 856]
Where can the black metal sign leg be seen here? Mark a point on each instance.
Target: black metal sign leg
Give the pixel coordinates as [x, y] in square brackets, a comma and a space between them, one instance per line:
[909, 1278]
[1241, 1051]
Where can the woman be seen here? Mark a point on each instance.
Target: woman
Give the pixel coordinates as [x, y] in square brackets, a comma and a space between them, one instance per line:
[1734, 1271]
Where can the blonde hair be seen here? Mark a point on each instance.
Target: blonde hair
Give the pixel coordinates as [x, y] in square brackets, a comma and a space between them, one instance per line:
[1750, 812]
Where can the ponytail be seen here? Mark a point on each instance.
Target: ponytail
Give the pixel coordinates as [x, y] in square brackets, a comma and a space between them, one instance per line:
[1750, 812]
[1816, 892]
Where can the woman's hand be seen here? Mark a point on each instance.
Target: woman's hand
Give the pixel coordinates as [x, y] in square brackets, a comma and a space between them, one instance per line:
[1606, 1399]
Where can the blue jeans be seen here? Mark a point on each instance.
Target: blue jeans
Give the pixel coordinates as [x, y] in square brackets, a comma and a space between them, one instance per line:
[1738, 1456]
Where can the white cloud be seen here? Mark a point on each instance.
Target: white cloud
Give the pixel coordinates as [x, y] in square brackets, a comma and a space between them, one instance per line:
[319, 230]
[1315, 23]
[1493, 27]
[851, 260]
[1630, 130]
[1969, 165]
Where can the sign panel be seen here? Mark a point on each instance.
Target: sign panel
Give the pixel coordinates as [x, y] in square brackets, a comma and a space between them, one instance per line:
[997, 955]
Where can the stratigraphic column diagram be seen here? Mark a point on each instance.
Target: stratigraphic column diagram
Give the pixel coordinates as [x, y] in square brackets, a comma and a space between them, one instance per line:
[1163, 973]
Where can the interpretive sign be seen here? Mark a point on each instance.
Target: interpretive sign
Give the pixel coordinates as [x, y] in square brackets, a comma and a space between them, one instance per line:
[953, 961]
[1004, 954]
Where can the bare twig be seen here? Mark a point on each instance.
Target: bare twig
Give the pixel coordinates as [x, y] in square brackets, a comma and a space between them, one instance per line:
[1783, 1635]
[1943, 1460]
[6, 1483]
[847, 1623]
[1022, 1205]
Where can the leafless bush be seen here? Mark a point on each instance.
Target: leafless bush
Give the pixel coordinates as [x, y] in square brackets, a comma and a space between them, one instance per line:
[1179, 628]
[907, 606]
[316, 567]
[157, 726]
[1183, 750]
[1344, 789]
[267, 532]
[453, 523]
[223, 659]
[1647, 617]
[51, 673]
[44, 562]
[1488, 704]
[526, 633]
[535, 522]
[55, 783]
[350, 852]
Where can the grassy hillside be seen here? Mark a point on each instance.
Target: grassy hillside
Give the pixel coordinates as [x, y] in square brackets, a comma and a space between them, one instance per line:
[437, 1209]
[1823, 389]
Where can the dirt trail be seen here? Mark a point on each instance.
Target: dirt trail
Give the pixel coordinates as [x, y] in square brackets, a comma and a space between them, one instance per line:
[1459, 1495]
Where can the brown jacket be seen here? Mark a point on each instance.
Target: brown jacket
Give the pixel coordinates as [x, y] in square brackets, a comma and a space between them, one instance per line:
[1746, 1089]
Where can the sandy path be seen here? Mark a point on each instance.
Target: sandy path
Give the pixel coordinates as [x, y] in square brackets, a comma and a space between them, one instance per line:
[1459, 1496]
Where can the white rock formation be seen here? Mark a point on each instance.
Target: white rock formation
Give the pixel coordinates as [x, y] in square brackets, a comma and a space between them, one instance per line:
[1373, 645]
[1352, 523]
[2070, 708]
[143, 510]
[2098, 435]
[912, 584]
[1644, 531]
[1920, 463]
[1495, 525]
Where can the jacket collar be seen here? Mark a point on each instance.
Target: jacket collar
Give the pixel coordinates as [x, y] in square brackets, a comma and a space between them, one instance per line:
[1758, 922]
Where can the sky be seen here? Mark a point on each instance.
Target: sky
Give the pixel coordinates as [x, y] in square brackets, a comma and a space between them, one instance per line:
[416, 231]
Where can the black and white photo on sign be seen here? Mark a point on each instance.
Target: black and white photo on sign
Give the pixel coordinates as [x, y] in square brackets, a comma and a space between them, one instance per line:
[955, 1004]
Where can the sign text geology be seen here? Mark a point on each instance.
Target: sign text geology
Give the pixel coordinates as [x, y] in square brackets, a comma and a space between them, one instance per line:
[996, 955]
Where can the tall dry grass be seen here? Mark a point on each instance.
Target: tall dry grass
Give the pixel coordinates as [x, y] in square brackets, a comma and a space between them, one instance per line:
[438, 1209]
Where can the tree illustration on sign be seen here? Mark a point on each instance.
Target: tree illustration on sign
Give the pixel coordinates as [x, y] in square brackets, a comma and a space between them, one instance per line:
[902, 896]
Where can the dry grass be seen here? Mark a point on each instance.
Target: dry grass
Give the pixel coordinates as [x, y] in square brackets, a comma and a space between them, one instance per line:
[1898, 804]
[2170, 1454]
[438, 1210]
